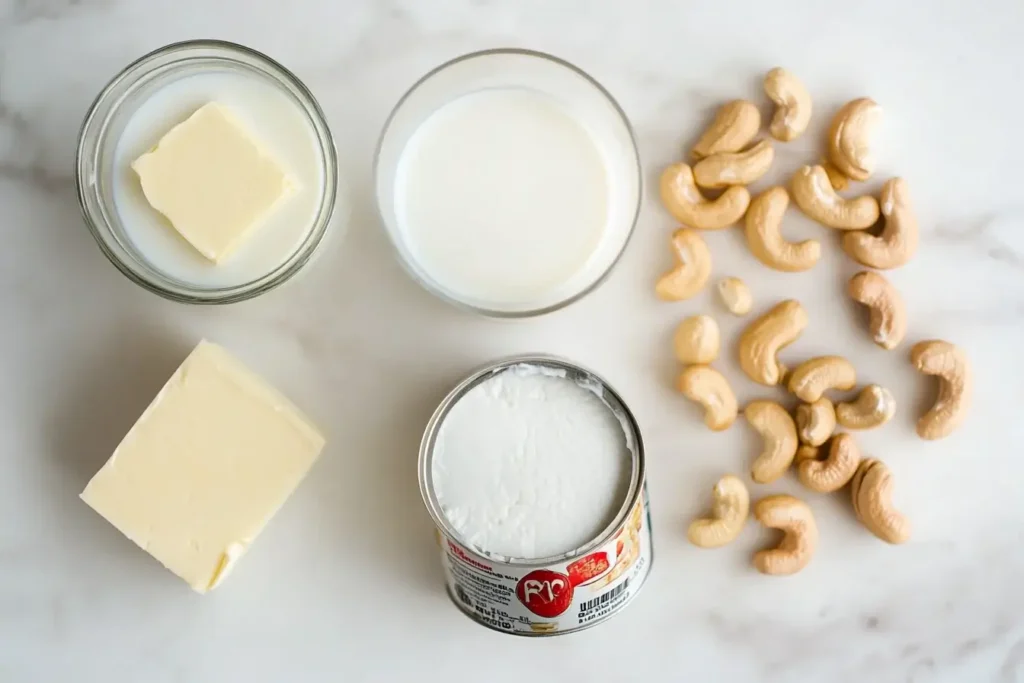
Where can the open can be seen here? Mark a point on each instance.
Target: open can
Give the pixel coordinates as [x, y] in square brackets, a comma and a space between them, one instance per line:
[556, 595]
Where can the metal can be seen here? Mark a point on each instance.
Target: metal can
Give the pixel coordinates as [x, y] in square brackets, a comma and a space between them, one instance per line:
[554, 595]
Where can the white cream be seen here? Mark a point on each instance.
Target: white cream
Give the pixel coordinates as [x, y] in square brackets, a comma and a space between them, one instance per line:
[530, 464]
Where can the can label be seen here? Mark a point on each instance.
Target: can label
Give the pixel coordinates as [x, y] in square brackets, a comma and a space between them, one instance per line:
[561, 597]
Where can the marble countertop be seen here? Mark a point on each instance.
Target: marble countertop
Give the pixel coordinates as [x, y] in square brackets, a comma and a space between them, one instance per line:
[345, 583]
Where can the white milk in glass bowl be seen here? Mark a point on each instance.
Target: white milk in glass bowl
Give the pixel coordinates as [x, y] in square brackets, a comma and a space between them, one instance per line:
[508, 181]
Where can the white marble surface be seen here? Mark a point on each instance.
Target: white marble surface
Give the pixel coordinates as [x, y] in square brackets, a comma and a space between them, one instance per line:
[345, 584]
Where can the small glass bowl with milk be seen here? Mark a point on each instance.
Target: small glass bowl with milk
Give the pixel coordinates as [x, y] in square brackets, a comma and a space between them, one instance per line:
[508, 181]
[152, 96]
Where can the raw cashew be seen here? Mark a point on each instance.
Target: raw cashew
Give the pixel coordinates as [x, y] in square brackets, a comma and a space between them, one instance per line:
[898, 240]
[687, 205]
[888, 319]
[778, 431]
[835, 471]
[794, 517]
[849, 138]
[871, 493]
[873, 407]
[734, 168]
[697, 340]
[709, 388]
[735, 125]
[812, 378]
[816, 421]
[814, 194]
[735, 295]
[763, 338]
[836, 179]
[949, 363]
[793, 104]
[693, 271]
[763, 223]
[729, 510]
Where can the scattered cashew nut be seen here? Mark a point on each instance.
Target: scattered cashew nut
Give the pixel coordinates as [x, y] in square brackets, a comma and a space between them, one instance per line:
[763, 224]
[693, 271]
[697, 340]
[812, 378]
[949, 363]
[729, 510]
[794, 517]
[836, 179]
[687, 205]
[888, 321]
[873, 407]
[849, 138]
[871, 493]
[734, 168]
[761, 341]
[793, 104]
[709, 388]
[898, 241]
[816, 421]
[778, 432]
[816, 197]
[835, 471]
[735, 295]
[735, 125]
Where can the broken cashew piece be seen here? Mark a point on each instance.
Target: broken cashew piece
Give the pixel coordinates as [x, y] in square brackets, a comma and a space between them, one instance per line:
[815, 422]
[871, 493]
[735, 125]
[729, 510]
[888, 321]
[793, 104]
[873, 407]
[836, 179]
[835, 471]
[898, 241]
[778, 431]
[849, 138]
[761, 341]
[687, 205]
[693, 271]
[815, 196]
[697, 340]
[794, 517]
[949, 363]
[812, 378]
[734, 168]
[709, 388]
[763, 225]
[735, 295]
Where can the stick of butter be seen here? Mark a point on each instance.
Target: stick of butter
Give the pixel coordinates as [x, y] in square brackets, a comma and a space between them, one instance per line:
[210, 461]
[212, 181]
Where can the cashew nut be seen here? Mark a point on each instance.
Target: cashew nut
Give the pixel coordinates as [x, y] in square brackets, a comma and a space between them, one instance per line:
[835, 471]
[763, 223]
[871, 493]
[805, 452]
[729, 509]
[793, 104]
[949, 363]
[816, 421]
[794, 517]
[761, 341]
[815, 196]
[693, 271]
[778, 432]
[888, 321]
[812, 378]
[687, 205]
[873, 407]
[836, 179]
[849, 138]
[709, 388]
[898, 240]
[735, 125]
[735, 295]
[697, 340]
[734, 168]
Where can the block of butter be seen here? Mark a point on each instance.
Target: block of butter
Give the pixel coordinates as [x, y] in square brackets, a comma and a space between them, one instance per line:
[210, 461]
[212, 181]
